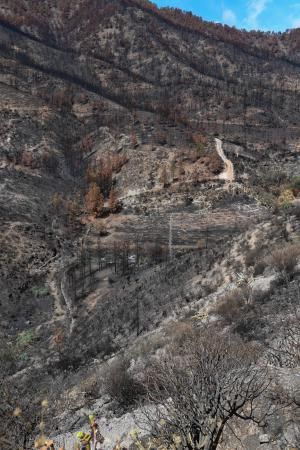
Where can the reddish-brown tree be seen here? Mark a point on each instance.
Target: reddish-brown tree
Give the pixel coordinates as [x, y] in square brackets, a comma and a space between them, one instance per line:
[94, 201]
[113, 201]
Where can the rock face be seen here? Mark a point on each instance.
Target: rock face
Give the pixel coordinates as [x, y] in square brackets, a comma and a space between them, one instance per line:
[190, 119]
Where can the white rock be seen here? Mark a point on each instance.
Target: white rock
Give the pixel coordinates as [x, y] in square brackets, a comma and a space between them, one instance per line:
[263, 283]
[264, 439]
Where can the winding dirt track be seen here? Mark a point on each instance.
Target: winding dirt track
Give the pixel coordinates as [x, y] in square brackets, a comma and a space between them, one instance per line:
[228, 173]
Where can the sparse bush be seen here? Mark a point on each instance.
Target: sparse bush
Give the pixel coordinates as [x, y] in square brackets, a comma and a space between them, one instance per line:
[179, 331]
[247, 325]
[274, 177]
[260, 296]
[285, 259]
[121, 385]
[267, 199]
[252, 257]
[90, 387]
[259, 268]
[231, 306]
[197, 391]
[106, 347]
[286, 199]
[285, 351]
[66, 362]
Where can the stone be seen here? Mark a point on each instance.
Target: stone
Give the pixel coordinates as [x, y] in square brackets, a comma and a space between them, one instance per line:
[264, 439]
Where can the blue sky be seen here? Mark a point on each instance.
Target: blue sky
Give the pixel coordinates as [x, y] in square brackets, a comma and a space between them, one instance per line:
[272, 15]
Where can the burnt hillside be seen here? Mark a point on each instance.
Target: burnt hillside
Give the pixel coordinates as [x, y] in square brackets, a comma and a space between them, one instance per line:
[147, 160]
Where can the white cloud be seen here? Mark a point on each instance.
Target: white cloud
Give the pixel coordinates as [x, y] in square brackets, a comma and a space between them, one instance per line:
[255, 9]
[229, 17]
[296, 23]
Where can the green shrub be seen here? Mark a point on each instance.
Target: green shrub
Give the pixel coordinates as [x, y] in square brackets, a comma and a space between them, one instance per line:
[295, 184]
[24, 340]
[40, 291]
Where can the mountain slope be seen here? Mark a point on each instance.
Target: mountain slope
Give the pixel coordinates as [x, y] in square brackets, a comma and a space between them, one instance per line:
[192, 126]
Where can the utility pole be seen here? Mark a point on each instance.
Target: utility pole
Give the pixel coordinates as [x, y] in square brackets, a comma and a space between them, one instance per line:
[171, 238]
[137, 317]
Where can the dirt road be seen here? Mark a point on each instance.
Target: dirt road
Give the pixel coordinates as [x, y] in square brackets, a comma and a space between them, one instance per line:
[228, 173]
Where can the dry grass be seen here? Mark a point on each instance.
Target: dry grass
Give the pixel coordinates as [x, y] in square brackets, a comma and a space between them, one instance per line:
[231, 306]
[285, 259]
[121, 385]
[178, 332]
